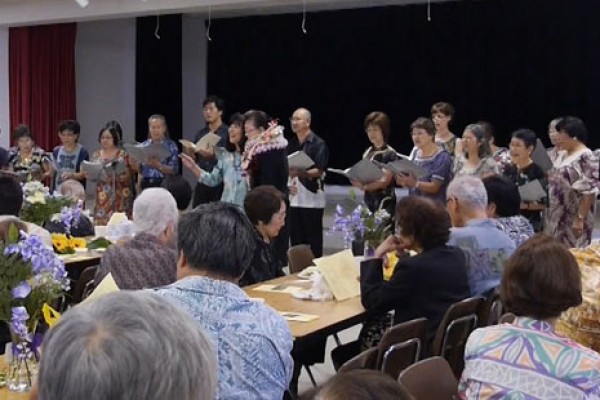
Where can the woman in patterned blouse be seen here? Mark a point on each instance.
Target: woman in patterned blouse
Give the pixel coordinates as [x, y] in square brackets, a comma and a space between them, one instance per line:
[572, 186]
[29, 162]
[527, 359]
[477, 157]
[379, 194]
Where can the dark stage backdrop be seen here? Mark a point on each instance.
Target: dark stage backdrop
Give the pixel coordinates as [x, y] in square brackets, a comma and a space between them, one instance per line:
[516, 63]
[158, 74]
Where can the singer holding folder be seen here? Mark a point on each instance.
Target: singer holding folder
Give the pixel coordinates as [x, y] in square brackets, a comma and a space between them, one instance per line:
[114, 191]
[379, 194]
[523, 170]
[432, 158]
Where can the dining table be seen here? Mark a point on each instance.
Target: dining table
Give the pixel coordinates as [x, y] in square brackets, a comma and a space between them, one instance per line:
[332, 315]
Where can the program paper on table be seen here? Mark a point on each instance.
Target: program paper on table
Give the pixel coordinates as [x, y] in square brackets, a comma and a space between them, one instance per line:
[341, 274]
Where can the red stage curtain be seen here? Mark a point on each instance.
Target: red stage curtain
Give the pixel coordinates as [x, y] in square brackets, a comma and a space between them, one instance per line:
[42, 79]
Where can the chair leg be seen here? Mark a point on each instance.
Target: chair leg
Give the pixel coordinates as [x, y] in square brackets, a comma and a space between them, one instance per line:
[337, 339]
[310, 375]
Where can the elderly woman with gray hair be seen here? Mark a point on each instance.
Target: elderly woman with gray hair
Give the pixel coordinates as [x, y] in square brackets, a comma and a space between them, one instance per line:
[149, 259]
[477, 157]
[127, 345]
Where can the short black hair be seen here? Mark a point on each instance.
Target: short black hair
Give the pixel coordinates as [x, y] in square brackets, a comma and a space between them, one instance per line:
[217, 237]
[260, 119]
[11, 196]
[115, 130]
[262, 202]
[69, 125]
[526, 135]
[574, 127]
[20, 131]
[504, 194]
[180, 189]
[219, 102]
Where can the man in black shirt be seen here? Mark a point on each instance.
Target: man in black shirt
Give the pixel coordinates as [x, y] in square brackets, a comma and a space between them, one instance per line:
[213, 115]
[307, 194]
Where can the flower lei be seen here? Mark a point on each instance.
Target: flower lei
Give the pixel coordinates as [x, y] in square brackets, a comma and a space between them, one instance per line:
[270, 139]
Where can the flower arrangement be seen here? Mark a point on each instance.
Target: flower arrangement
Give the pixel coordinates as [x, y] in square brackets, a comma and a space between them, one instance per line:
[362, 225]
[64, 244]
[39, 205]
[31, 275]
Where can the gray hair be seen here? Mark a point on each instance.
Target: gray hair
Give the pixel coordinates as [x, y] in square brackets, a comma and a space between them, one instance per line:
[469, 190]
[217, 237]
[154, 210]
[479, 131]
[73, 189]
[127, 345]
[306, 113]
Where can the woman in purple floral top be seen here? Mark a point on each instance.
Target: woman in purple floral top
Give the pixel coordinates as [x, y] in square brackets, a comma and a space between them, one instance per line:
[572, 186]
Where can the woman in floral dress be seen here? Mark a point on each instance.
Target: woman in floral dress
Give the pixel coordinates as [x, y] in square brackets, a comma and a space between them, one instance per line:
[229, 169]
[572, 186]
[476, 158]
[114, 192]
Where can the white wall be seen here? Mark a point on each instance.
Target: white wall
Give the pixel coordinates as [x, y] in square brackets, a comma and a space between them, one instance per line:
[4, 95]
[105, 77]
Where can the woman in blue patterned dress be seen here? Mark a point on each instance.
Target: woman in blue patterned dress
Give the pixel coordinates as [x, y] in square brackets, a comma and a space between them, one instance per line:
[432, 158]
[229, 169]
[527, 359]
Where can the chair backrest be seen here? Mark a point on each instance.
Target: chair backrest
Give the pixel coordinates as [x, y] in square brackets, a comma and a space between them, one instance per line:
[454, 330]
[83, 283]
[365, 360]
[401, 346]
[299, 257]
[430, 379]
[492, 310]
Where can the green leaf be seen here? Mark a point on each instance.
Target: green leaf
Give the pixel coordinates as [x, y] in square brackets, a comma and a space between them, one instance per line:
[13, 234]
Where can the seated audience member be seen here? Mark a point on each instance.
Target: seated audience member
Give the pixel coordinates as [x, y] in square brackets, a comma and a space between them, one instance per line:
[527, 359]
[361, 384]
[253, 341]
[80, 227]
[11, 201]
[127, 345]
[476, 234]
[149, 259]
[504, 207]
[265, 207]
[426, 284]
[180, 189]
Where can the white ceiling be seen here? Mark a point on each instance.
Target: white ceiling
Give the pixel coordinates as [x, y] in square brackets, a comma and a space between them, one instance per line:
[33, 12]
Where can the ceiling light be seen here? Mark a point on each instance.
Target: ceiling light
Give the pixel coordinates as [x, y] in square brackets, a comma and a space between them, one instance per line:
[83, 3]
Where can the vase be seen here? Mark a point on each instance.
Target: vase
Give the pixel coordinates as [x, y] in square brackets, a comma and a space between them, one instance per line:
[358, 247]
[24, 362]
